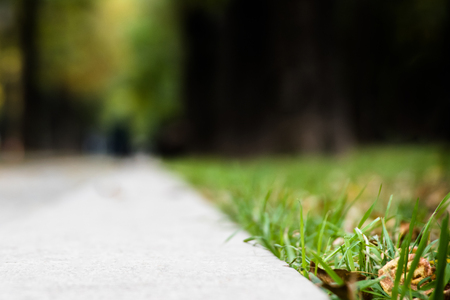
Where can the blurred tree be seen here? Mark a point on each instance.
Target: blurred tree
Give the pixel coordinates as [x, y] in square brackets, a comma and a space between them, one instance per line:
[145, 93]
[10, 83]
[76, 64]
[253, 76]
[126, 52]
[33, 128]
[59, 66]
[266, 77]
[270, 76]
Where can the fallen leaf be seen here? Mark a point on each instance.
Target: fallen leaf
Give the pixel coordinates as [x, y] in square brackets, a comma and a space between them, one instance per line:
[347, 290]
[423, 270]
[447, 292]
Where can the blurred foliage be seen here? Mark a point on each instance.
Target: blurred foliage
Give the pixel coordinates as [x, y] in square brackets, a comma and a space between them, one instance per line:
[124, 52]
[146, 90]
[10, 65]
[125, 56]
[72, 55]
[407, 171]
[121, 55]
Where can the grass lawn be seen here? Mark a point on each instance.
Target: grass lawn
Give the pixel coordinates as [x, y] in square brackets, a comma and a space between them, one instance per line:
[328, 218]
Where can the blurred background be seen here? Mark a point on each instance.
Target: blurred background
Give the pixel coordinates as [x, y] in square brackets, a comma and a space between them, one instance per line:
[234, 77]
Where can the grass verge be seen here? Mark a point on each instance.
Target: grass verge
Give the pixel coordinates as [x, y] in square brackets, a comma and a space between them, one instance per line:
[330, 219]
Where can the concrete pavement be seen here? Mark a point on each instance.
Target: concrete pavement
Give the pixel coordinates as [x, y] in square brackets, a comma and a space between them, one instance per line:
[129, 230]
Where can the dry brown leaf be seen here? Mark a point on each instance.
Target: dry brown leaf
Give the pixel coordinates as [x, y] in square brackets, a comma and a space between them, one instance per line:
[346, 291]
[422, 271]
[447, 292]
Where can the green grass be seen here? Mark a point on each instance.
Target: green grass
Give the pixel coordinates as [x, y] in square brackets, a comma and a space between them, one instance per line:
[330, 213]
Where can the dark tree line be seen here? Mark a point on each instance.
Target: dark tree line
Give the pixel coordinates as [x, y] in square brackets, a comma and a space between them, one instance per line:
[34, 117]
[50, 119]
[314, 75]
[76, 87]
[271, 76]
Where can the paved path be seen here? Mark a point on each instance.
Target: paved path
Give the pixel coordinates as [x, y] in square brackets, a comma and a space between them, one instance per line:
[109, 230]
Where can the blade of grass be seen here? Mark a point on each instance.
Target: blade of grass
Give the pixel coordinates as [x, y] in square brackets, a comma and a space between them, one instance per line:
[388, 207]
[438, 293]
[418, 253]
[364, 248]
[351, 263]
[443, 203]
[447, 274]
[354, 237]
[232, 235]
[372, 224]
[320, 237]
[441, 207]
[266, 199]
[367, 214]
[391, 249]
[340, 205]
[302, 241]
[344, 213]
[399, 272]
[364, 284]
[289, 250]
[319, 241]
[428, 248]
[328, 269]
[252, 238]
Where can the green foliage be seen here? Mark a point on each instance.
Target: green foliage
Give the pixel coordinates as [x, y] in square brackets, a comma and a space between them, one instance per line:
[125, 54]
[145, 92]
[71, 53]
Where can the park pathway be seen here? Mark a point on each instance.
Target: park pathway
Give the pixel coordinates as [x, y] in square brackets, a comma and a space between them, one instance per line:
[104, 229]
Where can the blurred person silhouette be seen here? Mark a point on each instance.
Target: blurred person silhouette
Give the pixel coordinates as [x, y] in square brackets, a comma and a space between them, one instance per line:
[119, 144]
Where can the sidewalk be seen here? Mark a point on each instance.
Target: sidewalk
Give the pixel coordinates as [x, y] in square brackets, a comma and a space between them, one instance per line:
[133, 231]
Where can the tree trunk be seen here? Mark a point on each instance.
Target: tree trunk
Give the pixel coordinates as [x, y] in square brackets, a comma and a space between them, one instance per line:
[265, 77]
[35, 122]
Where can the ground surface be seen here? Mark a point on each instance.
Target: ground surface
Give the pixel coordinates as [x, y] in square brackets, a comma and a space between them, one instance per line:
[102, 229]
